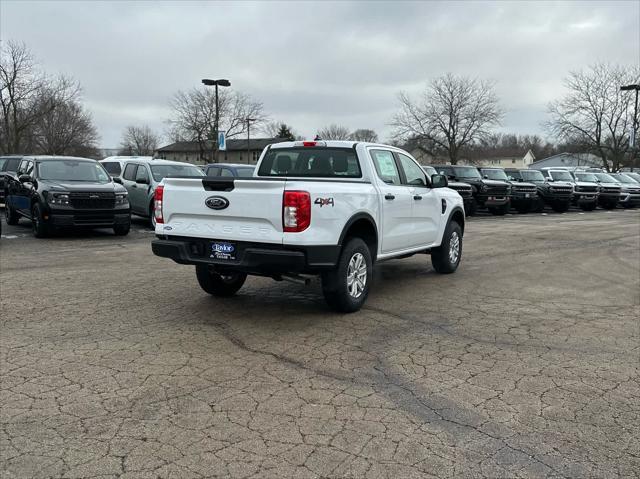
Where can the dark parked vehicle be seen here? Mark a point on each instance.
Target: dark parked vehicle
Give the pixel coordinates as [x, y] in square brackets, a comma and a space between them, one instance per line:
[585, 193]
[610, 191]
[8, 166]
[630, 194]
[60, 191]
[553, 193]
[524, 196]
[464, 190]
[229, 170]
[490, 194]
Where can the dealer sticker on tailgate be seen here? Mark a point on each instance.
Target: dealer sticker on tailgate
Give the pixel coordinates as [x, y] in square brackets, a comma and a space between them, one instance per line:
[226, 251]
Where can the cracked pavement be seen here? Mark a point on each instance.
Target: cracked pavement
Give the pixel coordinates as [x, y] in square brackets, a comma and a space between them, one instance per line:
[522, 364]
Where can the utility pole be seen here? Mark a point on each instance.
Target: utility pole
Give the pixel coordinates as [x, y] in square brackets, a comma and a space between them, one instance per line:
[635, 87]
[216, 83]
[249, 120]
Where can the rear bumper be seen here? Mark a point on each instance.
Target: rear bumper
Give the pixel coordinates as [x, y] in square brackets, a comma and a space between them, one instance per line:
[252, 258]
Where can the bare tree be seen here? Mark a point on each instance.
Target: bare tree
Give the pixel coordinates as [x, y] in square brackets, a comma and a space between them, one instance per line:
[452, 113]
[279, 129]
[139, 141]
[364, 134]
[595, 113]
[193, 115]
[334, 132]
[64, 128]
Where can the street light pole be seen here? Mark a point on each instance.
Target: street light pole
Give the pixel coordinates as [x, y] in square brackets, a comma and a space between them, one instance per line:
[635, 87]
[216, 121]
[249, 120]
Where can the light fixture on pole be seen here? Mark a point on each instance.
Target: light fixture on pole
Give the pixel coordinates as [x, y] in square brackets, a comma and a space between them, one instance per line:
[216, 83]
[249, 120]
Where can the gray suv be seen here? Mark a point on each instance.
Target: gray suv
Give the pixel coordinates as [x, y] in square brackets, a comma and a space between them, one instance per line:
[141, 176]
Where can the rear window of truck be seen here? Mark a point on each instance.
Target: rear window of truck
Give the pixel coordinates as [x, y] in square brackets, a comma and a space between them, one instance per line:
[313, 162]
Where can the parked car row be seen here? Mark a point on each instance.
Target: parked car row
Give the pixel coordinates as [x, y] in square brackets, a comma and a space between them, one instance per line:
[526, 190]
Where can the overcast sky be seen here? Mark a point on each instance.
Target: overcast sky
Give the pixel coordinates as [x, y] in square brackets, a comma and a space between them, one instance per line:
[312, 64]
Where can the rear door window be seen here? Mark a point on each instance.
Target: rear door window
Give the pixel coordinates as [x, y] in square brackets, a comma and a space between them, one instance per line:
[314, 162]
[130, 172]
[226, 172]
[386, 166]
[112, 167]
[213, 171]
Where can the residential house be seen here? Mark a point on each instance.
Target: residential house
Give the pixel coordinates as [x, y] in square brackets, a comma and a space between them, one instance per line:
[568, 159]
[236, 152]
[504, 161]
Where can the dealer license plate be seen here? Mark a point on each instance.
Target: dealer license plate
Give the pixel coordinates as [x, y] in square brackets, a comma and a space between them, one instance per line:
[223, 250]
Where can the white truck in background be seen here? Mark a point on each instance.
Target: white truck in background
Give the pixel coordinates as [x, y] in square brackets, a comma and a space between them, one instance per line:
[328, 208]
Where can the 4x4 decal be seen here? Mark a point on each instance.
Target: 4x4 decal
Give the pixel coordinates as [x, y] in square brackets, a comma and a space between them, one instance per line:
[324, 202]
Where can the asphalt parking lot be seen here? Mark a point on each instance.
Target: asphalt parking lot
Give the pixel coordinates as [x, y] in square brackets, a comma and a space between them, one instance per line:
[522, 364]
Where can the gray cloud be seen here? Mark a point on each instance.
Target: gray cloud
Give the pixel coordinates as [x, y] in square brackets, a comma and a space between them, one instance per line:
[318, 63]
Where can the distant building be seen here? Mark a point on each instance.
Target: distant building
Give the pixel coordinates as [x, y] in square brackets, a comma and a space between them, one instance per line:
[106, 152]
[569, 159]
[503, 161]
[189, 151]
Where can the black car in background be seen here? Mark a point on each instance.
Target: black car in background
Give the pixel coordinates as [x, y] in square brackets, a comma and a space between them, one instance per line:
[557, 195]
[524, 195]
[494, 195]
[463, 189]
[66, 192]
[8, 166]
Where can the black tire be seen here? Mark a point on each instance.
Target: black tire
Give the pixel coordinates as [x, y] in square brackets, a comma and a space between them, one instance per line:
[539, 206]
[588, 206]
[446, 258]
[523, 209]
[609, 205]
[628, 206]
[560, 206]
[499, 210]
[122, 230]
[152, 215]
[472, 210]
[355, 261]
[40, 229]
[219, 285]
[10, 215]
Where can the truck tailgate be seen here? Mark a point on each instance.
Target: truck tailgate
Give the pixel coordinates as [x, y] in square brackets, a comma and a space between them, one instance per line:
[254, 211]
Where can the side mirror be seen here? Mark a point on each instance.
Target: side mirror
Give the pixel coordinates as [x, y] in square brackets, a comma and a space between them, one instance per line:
[142, 181]
[117, 179]
[486, 177]
[550, 179]
[439, 181]
[24, 178]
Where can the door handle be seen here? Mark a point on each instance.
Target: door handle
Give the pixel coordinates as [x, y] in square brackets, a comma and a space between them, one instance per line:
[389, 197]
[417, 197]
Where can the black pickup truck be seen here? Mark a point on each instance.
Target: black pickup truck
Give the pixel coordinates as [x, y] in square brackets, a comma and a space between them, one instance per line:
[490, 194]
[63, 192]
[8, 167]
[555, 194]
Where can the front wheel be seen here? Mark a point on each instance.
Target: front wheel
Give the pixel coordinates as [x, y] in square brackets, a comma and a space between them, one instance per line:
[10, 215]
[560, 206]
[588, 206]
[217, 284]
[446, 258]
[609, 205]
[122, 230]
[499, 210]
[40, 229]
[346, 288]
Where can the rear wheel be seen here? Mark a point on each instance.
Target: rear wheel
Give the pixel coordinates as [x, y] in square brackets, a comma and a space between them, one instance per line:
[446, 258]
[217, 284]
[609, 205]
[473, 208]
[10, 215]
[40, 229]
[152, 215]
[524, 208]
[346, 288]
[122, 230]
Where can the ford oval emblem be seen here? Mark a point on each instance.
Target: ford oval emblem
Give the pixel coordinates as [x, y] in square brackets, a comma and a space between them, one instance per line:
[216, 202]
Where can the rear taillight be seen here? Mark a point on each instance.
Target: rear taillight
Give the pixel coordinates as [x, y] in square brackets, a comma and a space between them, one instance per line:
[296, 211]
[157, 203]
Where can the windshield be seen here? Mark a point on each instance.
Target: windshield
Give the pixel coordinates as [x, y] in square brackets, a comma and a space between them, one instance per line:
[590, 177]
[624, 178]
[532, 175]
[316, 162]
[245, 172]
[604, 178]
[561, 176]
[429, 170]
[499, 175]
[467, 172]
[72, 170]
[635, 176]
[161, 171]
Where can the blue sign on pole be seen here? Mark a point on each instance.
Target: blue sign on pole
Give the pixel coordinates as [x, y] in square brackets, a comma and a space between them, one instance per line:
[222, 141]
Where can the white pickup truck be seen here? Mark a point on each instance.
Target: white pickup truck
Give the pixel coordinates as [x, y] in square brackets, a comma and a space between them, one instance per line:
[328, 208]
